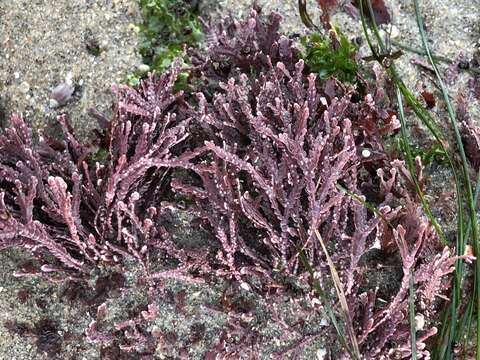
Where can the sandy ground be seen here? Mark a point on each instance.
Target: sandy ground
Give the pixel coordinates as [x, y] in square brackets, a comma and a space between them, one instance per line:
[42, 44]
[45, 43]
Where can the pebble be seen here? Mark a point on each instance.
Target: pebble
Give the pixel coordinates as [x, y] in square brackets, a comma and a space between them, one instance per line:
[143, 68]
[62, 93]
[53, 104]
[245, 286]
[69, 78]
[366, 153]
[321, 354]
[24, 87]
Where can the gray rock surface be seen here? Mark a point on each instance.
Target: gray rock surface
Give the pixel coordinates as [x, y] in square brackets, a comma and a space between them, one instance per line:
[43, 44]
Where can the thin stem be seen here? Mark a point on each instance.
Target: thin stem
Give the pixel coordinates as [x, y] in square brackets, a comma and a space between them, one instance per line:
[437, 58]
[411, 282]
[429, 122]
[326, 305]
[416, 106]
[467, 183]
[411, 315]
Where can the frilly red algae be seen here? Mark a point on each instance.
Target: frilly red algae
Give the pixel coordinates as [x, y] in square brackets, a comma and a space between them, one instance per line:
[263, 153]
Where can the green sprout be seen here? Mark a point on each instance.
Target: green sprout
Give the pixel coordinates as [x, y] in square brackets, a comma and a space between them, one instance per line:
[330, 56]
[429, 154]
[169, 26]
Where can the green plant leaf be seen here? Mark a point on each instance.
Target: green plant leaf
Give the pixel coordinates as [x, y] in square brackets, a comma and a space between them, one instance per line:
[330, 56]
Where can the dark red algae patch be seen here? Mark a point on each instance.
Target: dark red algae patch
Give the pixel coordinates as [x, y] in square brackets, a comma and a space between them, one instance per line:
[45, 332]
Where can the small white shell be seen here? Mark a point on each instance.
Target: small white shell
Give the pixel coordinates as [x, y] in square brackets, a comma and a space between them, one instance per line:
[366, 153]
